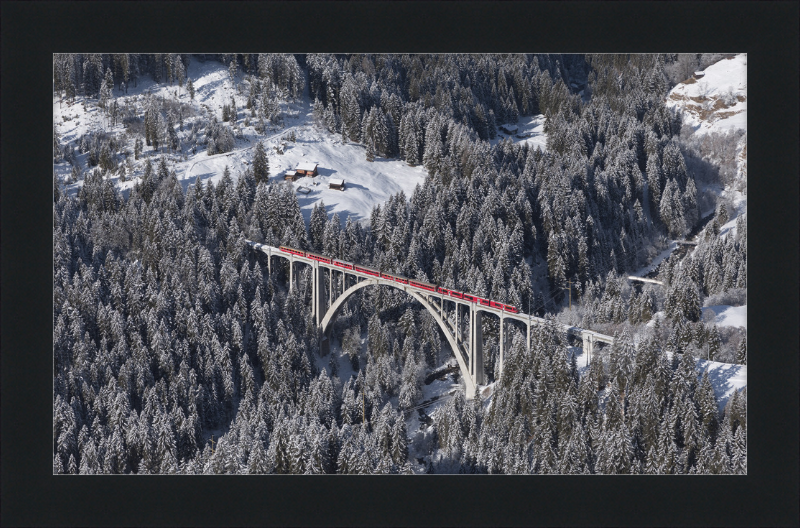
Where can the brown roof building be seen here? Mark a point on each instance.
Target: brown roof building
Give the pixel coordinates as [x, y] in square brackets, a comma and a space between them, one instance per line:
[307, 169]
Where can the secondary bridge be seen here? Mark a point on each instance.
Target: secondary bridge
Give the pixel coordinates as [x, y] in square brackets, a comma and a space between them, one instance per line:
[462, 327]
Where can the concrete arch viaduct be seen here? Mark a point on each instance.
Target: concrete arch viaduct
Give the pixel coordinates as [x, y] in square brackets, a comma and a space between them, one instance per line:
[466, 344]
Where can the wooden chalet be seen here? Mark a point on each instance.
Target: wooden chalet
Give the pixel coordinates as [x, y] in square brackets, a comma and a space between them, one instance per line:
[291, 175]
[509, 129]
[307, 169]
[337, 184]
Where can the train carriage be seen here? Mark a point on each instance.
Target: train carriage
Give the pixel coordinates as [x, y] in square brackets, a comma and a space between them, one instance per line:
[423, 285]
[298, 252]
[368, 271]
[342, 264]
[395, 278]
[450, 293]
[504, 307]
[317, 257]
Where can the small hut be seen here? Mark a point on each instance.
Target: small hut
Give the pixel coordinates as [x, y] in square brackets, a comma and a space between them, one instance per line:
[291, 175]
[337, 184]
[509, 129]
[307, 169]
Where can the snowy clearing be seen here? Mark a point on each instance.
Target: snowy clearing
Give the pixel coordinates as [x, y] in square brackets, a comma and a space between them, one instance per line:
[729, 315]
[724, 377]
[367, 184]
[530, 131]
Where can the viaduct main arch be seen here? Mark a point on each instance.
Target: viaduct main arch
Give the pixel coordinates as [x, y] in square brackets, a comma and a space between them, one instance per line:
[464, 359]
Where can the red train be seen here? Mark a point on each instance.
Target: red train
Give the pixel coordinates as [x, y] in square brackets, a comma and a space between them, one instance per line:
[368, 271]
[297, 252]
[402, 280]
[320, 258]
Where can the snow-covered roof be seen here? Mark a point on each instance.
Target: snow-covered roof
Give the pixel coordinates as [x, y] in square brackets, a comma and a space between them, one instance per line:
[291, 172]
[307, 166]
[337, 181]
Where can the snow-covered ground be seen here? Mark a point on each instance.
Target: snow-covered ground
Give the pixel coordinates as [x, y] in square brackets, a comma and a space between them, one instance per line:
[724, 377]
[730, 226]
[530, 131]
[370, 183]
[213, 88]
[729, 315]
[366, 183]
[716, 101]
[439, 393]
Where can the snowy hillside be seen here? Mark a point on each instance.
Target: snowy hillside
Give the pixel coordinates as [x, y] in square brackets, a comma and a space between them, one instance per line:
[725, 378]
[716, 100]
[366, 183]
[716, 103]
[231, 373]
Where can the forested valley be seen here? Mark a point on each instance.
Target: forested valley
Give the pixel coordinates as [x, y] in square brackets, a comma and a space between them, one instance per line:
[175, 351]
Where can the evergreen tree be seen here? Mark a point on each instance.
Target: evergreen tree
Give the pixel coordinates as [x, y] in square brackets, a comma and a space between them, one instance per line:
[623, 358]
[232, 67]
[722, 214]
[106, 89]
[260, 163]
[714, 344]
[720, 462]
[180, 72]
[741, 352]
[316, 227]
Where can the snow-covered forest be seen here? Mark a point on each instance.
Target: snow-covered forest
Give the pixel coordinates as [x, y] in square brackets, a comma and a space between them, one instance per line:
[175, 351]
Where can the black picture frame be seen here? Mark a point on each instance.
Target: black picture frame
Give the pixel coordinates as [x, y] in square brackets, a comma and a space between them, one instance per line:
[766, 496]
